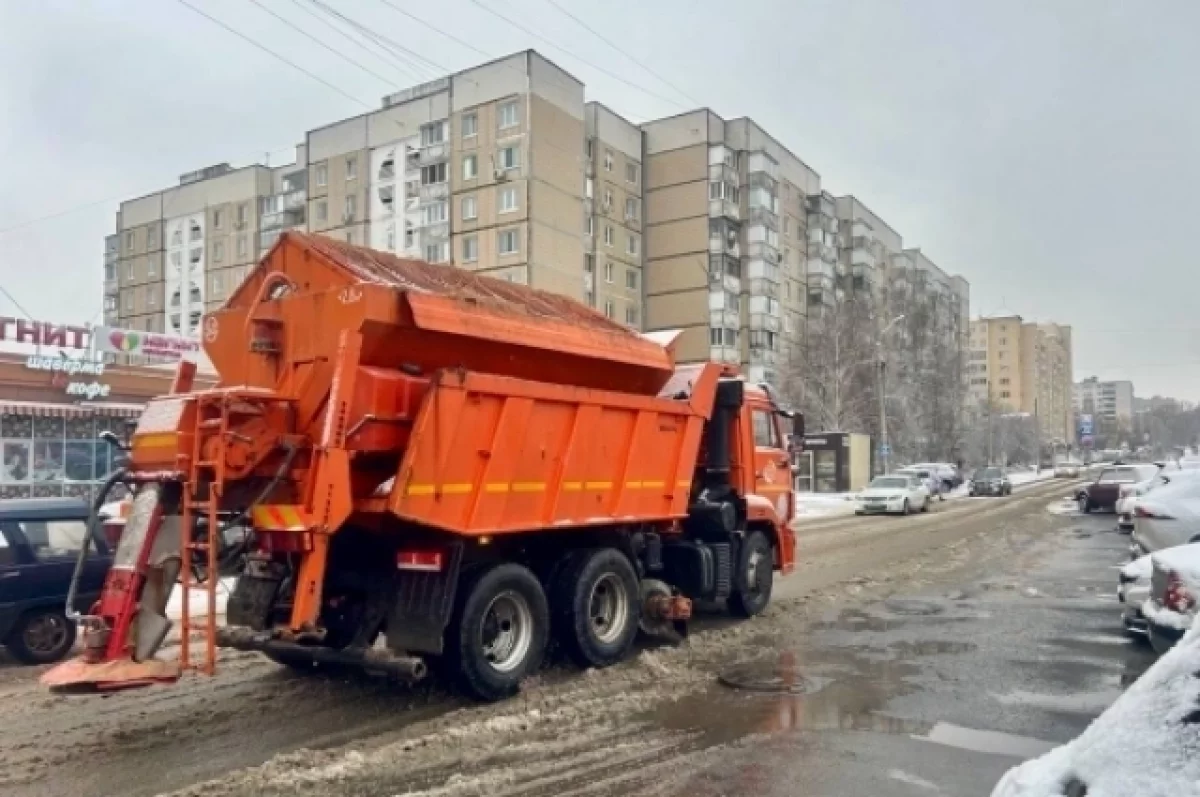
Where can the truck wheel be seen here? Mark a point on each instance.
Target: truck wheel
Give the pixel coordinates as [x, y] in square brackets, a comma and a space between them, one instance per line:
[41, 636]
[753, 579]
[597, 606]
[499, 631]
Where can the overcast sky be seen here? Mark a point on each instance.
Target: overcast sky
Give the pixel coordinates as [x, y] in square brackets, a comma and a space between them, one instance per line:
[1045, 150]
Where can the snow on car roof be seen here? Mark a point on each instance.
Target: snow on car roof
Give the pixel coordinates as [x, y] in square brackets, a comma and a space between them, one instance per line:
[1183, 559]
[1139, 568]
[1139, 746]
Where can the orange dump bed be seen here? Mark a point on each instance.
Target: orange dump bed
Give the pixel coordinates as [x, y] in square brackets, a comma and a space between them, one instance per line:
[417, 315]
[494, 454]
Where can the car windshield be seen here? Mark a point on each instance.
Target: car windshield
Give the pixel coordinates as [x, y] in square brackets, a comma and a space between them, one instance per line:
[889, 483]
[987, 473]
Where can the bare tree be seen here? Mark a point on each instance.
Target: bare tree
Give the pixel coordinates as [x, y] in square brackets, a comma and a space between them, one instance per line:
[831, 377]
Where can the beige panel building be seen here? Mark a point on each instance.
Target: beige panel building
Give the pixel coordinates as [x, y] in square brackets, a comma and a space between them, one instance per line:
[726, 225]
[1024, 367]
[612, 199]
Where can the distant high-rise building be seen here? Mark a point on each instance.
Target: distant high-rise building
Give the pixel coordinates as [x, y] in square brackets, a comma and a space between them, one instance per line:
[1108, 401]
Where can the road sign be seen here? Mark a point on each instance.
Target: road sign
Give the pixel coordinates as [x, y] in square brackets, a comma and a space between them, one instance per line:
[1086, 426]
[884, 450]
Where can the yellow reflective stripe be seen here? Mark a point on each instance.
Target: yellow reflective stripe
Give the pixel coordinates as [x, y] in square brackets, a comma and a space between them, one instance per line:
[456, 489]
[445, 489]
[633, 485]
[684, 483]
[495, 487]
[597, 485]
[572, 487]
[155, 440]
[420, 489]
[774, 488]
[528, 487]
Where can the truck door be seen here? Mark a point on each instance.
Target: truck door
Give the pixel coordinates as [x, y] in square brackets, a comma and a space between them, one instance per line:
[772, 467]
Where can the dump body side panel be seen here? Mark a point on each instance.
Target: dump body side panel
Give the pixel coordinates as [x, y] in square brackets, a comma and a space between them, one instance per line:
[492, 454]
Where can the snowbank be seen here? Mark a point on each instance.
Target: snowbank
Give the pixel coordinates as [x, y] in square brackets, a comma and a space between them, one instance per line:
[1140, 746]
[1028, 476]
[1138, 569]
[1167, 618]
[815, 505]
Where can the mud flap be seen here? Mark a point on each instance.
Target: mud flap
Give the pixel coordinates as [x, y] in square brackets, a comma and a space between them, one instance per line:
[424, 600]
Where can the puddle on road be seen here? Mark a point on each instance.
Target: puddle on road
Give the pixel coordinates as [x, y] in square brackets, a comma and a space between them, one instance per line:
[857, 620]
[993, 742]
[1075, 703]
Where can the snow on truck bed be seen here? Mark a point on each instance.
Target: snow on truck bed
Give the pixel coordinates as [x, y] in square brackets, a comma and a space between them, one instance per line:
[1147, 744]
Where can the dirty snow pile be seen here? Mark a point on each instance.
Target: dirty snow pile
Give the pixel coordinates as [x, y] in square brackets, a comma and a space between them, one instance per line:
[1146, 744]
[813, 505]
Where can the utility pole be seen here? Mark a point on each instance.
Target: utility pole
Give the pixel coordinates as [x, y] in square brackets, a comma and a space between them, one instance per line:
[884, 448]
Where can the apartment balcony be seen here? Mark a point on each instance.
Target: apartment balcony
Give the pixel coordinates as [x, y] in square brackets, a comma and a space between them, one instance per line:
[724, 266]
[111, 287]
[718, 245]
[294, 199]
[821, 268]
[589, 244]
[758, 215]
[283, 219]
[434, 153]
[589, 282]
[862, 258]
[728, 319]
[762, 164]
[763, 270]
[589, 168]
[723, 208]
[718, 173]
[725, 354]
[765, 321]
[432, 233]
[762, 250]
[763, 356]
[433, 192]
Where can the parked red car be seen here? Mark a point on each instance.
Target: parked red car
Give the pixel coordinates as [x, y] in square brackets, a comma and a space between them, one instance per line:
[1106, 490]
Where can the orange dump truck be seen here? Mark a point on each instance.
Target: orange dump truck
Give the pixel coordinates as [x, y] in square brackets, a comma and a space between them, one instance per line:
[434, 465]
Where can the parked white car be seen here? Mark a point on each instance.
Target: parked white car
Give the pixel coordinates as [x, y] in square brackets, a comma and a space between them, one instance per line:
[946, 472]
[1129, 494]
[1174, 591]
[895, 493]
[1133, 589]
[1067, 469]
[931, 480]
[1167, 516]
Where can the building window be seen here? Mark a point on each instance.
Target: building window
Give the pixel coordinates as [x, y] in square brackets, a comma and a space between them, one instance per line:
[218, 219]
[322, 208]
[608, 235]
[631, 173]
[589, 263]
[508, 199]
[608, 198]
[632, 246]
[241, 244]
[470, 125]
[608, 272]
[351, 168]
[218, 285]
[241, 214]
[434, 175]
[129, 240]
[322, 174]
[589, 187]
[723, 190]
[608, 308]
[508, 115]
[130, 271]
[110, 272]
[589, 226]
[608, 160]
[349, 236]
[631, 314]
[433, 133]
[470, 208]
[177, 237]
[194, 232]
[435, 213]
[350, 208]
[436, 253]
[510, 158]
[1005, 394]
[149, 237]
[218, 255]
[470, 249]
[151, 269]
[470, 167]
[588, 147]
[151, 296]
[631, 209]
[508, 243]
[631, 279]
[129, 300]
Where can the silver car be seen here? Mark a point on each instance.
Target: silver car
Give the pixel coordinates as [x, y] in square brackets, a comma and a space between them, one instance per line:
[1167, 516]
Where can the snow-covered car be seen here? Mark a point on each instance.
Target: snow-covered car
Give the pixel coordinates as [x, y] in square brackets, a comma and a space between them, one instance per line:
[1167, 516]
[1133, 589]
[1145, 744]
[946, 472]
[933, 482]
[1067, 470]
[1106, 489]
[1174, 589]
[896, 493]
[1130, 493]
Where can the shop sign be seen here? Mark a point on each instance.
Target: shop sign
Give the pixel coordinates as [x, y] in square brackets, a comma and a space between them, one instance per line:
[145, 344]
[64, 368]
[43, 333]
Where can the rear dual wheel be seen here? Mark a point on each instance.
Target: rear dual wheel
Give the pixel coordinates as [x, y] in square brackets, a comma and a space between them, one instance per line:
[597, 600]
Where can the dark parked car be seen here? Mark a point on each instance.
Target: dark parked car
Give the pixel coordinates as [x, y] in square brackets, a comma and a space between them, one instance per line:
[39, 542]
[990, 481]
[1106, 490]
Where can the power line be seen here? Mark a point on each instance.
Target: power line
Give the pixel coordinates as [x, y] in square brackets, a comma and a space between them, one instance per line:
[384, 41]
[611, 44]
[323, 44]
[435, 29]
[319, 17]
[366, 43]
[272, 53]
[578, 58]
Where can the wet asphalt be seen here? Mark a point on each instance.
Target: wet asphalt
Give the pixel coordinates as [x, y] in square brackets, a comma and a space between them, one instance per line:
[930, 693]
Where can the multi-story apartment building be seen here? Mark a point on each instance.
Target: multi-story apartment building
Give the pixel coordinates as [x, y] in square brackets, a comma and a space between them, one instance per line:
[483, 169]
[826, 276]
[182, 250]
[613, 277]
[1110, 401]
[1024, 367]
[726, 226]
[867, 244]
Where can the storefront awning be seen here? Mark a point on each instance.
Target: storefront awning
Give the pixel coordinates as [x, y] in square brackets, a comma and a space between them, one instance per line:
[47, 409]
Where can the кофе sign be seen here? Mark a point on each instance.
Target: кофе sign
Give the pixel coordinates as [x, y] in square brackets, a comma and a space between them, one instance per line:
[65, 368]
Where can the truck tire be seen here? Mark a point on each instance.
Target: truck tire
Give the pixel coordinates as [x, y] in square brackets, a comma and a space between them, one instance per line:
[41, 636]
[753, 577]
[597, 605]
[498, 634]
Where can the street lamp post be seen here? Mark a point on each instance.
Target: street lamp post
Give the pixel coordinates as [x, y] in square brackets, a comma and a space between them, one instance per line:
[884, 448]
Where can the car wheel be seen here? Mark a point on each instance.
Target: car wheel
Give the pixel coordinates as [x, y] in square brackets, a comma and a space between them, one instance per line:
[1160, 643]
[754, 577]
[925, 505]
[41, 636]
[1085, 506]
[597, 604]
[499, 632]
[906, 509]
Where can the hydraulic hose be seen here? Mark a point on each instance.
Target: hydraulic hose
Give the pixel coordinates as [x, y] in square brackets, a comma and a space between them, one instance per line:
[116, 477]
